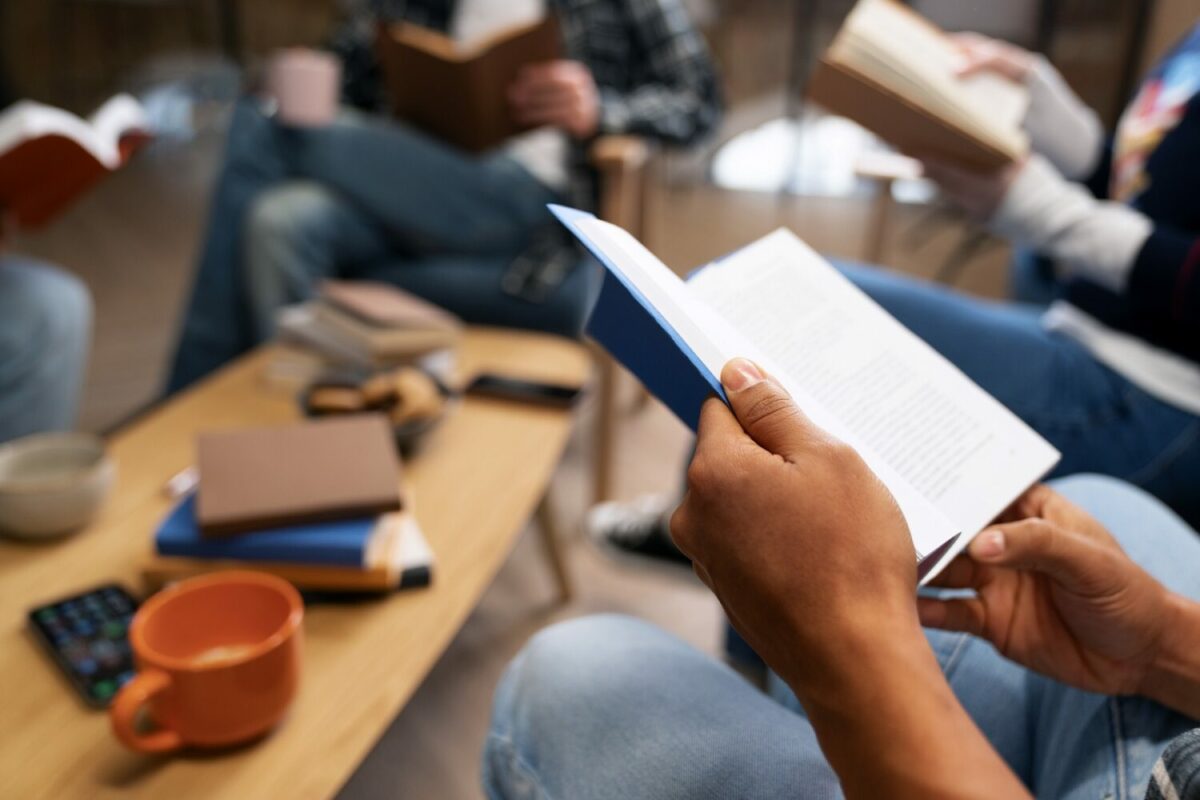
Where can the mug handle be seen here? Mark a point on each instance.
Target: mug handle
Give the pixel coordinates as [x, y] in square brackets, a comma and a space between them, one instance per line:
[123, 714]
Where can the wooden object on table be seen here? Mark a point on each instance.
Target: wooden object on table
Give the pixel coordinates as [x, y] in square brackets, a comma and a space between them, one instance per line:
[475, 485]
[621, 163]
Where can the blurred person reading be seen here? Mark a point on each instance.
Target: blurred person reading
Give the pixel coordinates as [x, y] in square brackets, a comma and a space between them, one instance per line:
[1100, 352]
[371, 198]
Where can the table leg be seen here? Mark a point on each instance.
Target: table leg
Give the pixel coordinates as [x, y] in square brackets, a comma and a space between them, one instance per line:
[877, 232]
[555, 553]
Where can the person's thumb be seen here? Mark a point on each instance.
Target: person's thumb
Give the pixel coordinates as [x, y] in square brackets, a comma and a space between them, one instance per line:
[1035, 545]
[765, 410]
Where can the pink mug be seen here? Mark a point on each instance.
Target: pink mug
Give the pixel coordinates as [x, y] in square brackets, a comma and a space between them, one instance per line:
[305, 85]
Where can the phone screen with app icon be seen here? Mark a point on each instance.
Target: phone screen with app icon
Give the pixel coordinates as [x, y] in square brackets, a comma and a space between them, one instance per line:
[87, 636]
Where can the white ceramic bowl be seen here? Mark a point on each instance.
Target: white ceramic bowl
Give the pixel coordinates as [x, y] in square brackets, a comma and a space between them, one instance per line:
[52, 483]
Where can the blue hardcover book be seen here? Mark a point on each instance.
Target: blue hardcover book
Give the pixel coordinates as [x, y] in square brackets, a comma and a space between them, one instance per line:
[952, 456]
[633, 328]
[342, 543]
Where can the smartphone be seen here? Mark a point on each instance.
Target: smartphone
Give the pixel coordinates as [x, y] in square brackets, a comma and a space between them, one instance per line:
[87, 637]
[548, 394]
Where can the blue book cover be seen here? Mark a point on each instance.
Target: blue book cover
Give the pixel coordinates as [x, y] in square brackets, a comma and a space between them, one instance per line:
[629, 327]
[341, 543]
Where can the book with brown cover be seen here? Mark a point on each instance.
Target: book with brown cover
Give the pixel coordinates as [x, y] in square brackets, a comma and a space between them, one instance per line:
[315, 471]
[49, 157]
[906, 117]
[460, 94]
[397, 557]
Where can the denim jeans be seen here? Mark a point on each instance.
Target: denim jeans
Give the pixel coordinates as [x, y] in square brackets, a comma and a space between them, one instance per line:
[45, 331]
[1098, 420]
[610, 707]
[363, 198]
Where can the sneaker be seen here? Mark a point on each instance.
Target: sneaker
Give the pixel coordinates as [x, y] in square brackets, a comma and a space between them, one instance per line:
[639, 528]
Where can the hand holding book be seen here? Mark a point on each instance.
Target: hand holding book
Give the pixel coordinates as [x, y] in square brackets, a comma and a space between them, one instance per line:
[979, 193]
[779, 514]
[558, 93]
[982, 54]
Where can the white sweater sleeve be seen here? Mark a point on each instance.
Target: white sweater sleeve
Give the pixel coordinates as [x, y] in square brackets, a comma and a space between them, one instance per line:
[1060, 126]
[1060, 219]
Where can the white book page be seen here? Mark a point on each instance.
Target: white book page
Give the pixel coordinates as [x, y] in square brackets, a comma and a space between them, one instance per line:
[715, 341]
[122, 114]
[100, 136]
[900, 51]
[955, 444]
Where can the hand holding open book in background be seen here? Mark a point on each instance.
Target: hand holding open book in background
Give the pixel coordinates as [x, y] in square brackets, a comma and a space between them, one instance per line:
[423, 68]
[49, 157]
[979, 193]
[982, 54]
[898, 75]
[559, 93]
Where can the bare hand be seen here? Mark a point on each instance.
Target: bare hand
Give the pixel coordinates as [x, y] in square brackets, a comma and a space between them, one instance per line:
[980, 194]
[1055, 592]
[984, 54]
[803, 545]
[559, 93]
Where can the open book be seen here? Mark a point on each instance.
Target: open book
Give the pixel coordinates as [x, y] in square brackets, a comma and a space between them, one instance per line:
[459, 93]
[892, 71]
[48, 157]
[952, 456]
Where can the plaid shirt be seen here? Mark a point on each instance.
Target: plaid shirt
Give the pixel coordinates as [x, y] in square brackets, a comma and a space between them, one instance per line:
[1176, 776]
[653, 70]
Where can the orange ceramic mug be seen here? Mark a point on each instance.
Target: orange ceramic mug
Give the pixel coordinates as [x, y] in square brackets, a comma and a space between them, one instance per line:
[218, 662]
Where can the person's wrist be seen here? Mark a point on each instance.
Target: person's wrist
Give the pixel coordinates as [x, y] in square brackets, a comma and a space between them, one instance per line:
[1173, 677]
[869, 677]
[848, 652]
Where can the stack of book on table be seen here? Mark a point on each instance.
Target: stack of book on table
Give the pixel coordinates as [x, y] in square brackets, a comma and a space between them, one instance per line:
[371, 326]
[318, 504]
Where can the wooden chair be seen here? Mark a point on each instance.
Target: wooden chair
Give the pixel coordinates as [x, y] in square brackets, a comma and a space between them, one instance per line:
[621, 162]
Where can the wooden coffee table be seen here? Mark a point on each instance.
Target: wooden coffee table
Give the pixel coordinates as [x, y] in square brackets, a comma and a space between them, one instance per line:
[476, 483]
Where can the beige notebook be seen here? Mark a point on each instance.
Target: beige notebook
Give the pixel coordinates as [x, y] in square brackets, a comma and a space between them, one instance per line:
[380, 345]
[257, 478]
[892, 72]
[382, 305]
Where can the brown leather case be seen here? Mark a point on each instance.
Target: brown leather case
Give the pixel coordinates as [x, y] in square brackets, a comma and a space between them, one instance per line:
[901, 122]
[462, 101]
[257, 478]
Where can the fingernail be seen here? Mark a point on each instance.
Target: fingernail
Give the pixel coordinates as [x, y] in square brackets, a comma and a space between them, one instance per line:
[989, 545]
[741, 373]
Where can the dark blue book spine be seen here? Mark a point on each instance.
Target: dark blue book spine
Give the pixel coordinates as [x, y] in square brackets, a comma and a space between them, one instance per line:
[639, 340]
